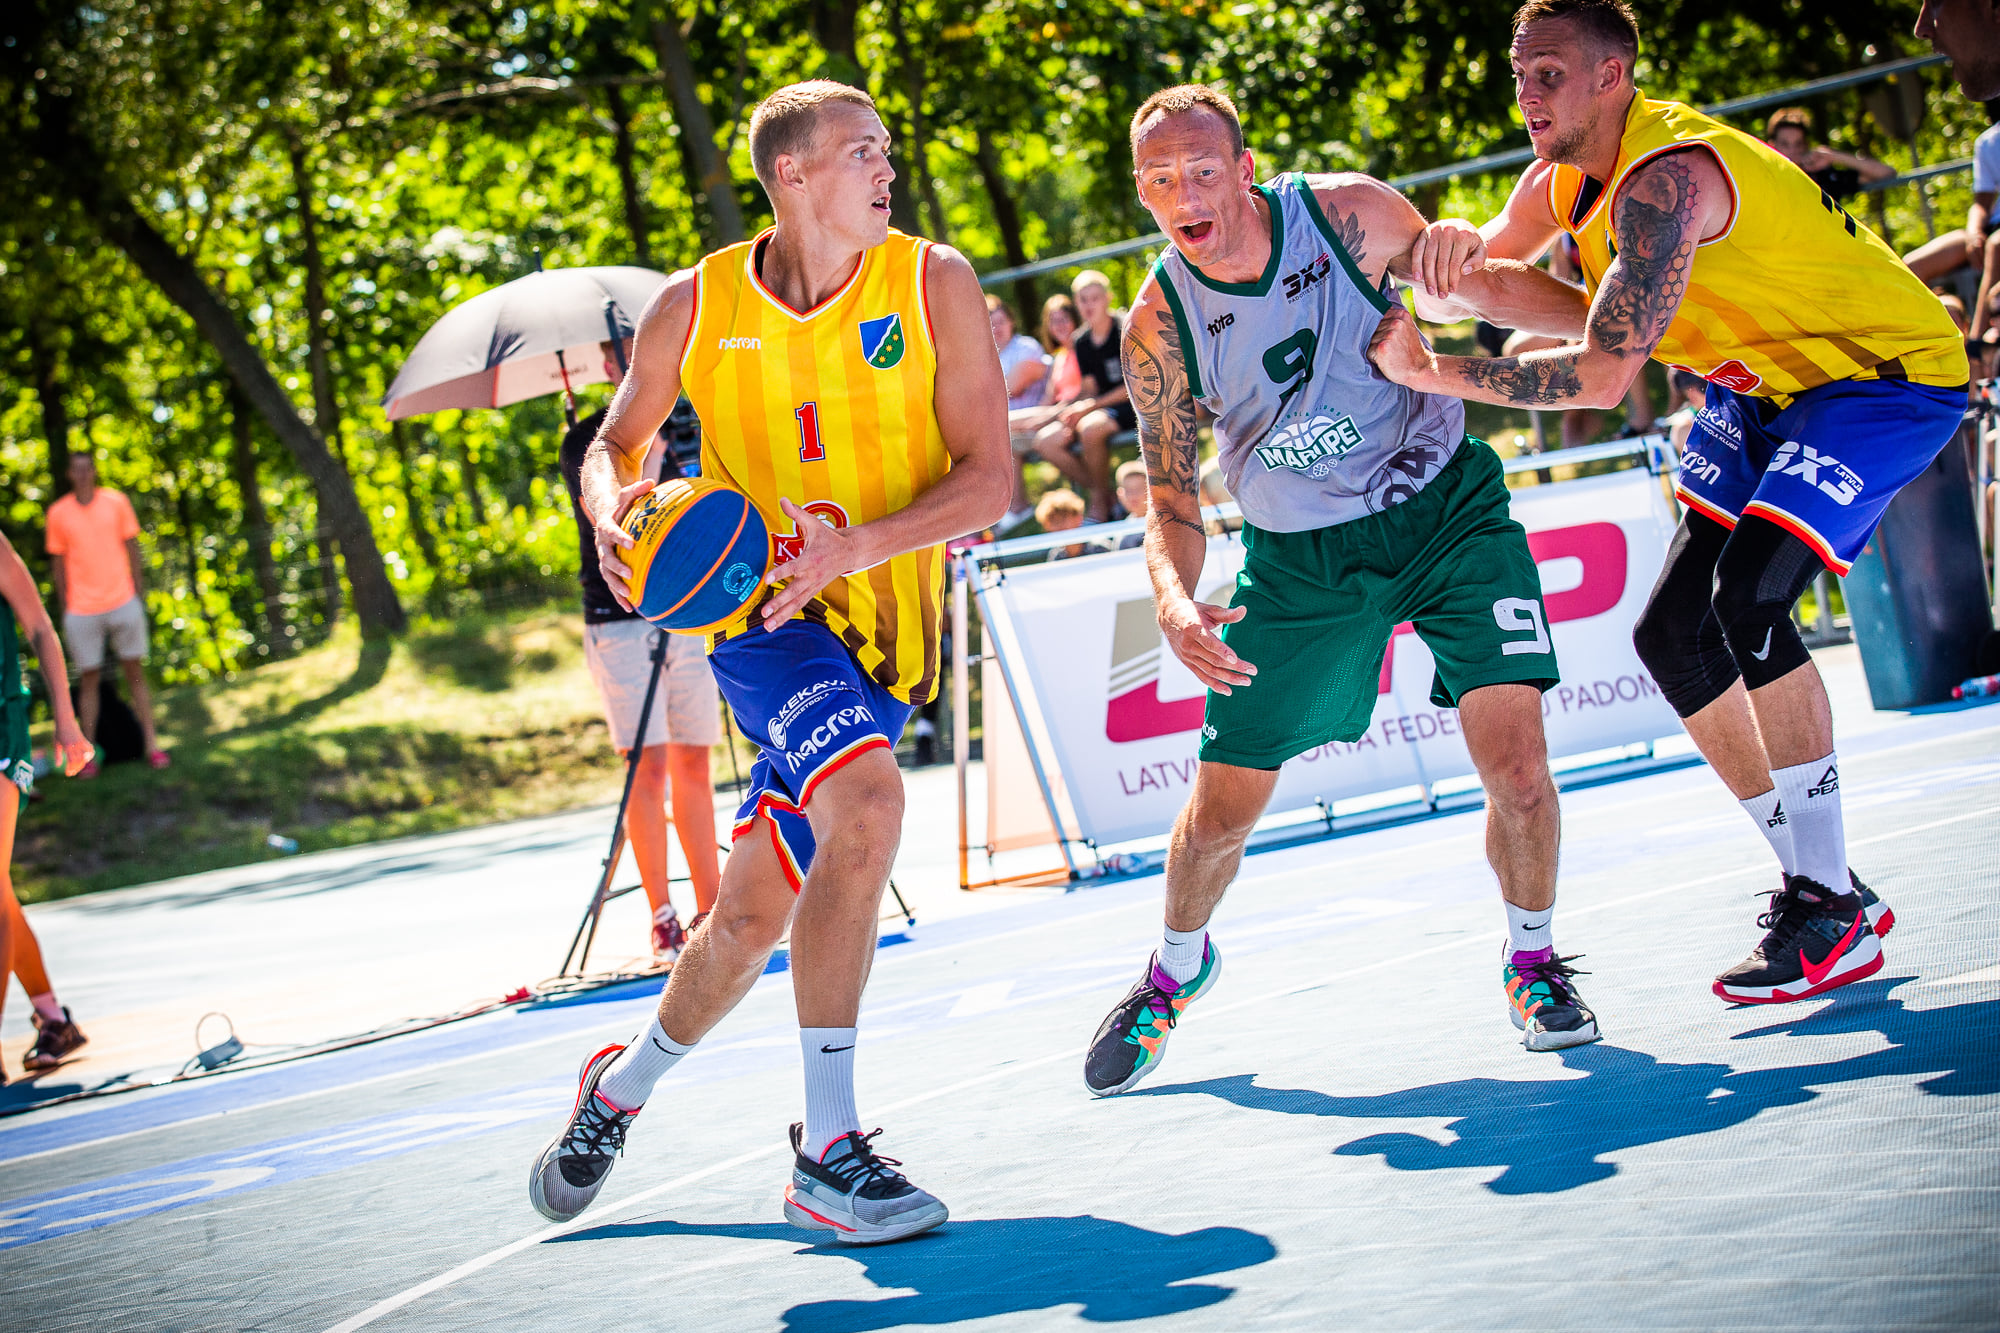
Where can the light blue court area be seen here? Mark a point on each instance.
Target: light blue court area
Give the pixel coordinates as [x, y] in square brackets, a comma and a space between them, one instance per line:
[1345, 1134]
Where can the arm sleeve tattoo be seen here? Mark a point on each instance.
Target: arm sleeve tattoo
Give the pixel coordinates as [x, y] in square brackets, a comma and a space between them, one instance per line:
[1157, 379]
[1657, 237]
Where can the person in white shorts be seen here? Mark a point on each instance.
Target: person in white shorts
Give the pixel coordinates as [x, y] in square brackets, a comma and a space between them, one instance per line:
[685, 722]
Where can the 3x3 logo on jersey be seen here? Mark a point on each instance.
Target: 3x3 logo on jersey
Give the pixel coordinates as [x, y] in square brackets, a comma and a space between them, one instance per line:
[1300, 281]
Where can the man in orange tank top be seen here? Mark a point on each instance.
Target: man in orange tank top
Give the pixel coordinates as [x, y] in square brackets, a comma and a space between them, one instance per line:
[821, 154]
[1781, 479]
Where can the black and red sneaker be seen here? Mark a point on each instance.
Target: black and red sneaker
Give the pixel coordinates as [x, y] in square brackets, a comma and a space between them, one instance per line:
[1818, 940]
[1881, 917]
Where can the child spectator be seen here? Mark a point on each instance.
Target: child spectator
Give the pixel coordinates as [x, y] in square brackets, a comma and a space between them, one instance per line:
[56, 1033]
[1136, 495]
[1062, 511]
[93, 545]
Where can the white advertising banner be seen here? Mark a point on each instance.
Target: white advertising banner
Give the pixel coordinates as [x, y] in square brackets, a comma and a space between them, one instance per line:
[1122, 715]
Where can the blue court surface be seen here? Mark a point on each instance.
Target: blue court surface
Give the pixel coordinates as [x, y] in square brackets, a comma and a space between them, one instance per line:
[1346, 1132]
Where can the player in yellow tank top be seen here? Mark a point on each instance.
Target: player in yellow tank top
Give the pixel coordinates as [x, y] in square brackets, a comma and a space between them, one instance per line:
[1834, 379]
[816, 356]
[841, 421]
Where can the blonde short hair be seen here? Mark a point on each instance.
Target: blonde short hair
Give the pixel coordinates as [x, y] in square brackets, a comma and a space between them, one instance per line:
[1134, 468]
[1090, 277]
[1189, 97]
[1059, 502]
[783, 123]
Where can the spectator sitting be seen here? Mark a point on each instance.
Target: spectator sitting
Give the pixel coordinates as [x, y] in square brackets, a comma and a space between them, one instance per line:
[1691, 392]
[1135, 493]
[1214, 491]
[1025, 366]
[1064, 382]
[1839, 174]
[685, 721]
[1062, 511]
[1102, 409]
[93, 545]
[1937, 261]
[56, 1033]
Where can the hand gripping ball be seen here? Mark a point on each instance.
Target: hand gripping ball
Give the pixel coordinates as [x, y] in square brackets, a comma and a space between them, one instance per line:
[699, 555]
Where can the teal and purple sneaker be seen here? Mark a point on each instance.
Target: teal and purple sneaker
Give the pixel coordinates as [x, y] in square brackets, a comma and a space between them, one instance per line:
[1132, 1040]
[1542, 1002]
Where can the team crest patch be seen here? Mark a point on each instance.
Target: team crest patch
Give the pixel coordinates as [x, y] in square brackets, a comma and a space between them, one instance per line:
[1313, 446]
[882, 341]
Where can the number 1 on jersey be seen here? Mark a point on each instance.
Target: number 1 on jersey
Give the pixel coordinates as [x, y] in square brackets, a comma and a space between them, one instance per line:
[810, 449]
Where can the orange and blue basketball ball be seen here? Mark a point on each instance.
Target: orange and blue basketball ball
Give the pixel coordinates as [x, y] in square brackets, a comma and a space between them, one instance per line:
[699, 555]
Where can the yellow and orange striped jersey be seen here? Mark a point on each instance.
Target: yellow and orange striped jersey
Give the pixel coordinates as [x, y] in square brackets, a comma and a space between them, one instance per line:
[1793, 293]
[832, 409]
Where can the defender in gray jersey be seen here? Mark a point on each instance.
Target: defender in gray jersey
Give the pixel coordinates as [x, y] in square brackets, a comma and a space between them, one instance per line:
[1365, 506]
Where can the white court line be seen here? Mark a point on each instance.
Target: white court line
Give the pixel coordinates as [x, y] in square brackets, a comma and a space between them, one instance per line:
[491, 1257]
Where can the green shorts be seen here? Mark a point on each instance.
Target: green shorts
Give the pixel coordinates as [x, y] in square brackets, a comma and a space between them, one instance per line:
[17, 763]
[1320, 607]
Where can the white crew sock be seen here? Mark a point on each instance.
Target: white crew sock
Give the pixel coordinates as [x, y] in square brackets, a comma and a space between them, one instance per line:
[1811, 795]
[830, 1113]
[629, 1081]
[1180, 952]
[1530, 932]
[1767, 812]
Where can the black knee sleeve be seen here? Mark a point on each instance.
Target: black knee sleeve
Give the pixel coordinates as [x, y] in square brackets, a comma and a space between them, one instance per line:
[1678, 635]
[1758, 577]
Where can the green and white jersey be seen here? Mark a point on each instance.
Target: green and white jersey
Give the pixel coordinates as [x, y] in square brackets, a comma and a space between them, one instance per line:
[1310, 433]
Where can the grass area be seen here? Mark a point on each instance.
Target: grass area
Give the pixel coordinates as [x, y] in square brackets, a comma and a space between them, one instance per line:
[460, 723]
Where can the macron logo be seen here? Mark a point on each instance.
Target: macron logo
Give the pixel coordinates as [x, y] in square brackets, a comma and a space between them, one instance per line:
[740, 345]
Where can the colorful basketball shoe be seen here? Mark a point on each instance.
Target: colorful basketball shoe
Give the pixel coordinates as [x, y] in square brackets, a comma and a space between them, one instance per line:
[1818, 940]
[1542, 1003]
[1132, 1040]
[858, 1197]
[572, 1169]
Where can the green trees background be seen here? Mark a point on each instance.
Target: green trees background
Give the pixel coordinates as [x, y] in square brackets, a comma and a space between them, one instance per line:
[224, 224]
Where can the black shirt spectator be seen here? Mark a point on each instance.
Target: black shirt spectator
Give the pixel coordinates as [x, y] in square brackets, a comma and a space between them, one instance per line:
[1100, 362]
[682, 434]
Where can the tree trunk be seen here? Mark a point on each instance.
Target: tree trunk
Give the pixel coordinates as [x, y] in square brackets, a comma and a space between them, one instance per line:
[191, 552]
[697, 130]
[1007, 217]
[74, 167]
[919, 156]
[628, 178]
[256, 525]
[326, 405]
[468, 481]
[833, 23]
[902, 204]
[55, 416]
[420, 528]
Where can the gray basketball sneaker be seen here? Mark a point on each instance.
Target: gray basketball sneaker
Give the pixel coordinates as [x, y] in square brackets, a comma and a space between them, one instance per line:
[572, 1169]
[856, 1196]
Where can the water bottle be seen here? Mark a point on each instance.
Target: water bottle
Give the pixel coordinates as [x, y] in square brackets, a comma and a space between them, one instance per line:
[279, 843]
[1977, 687]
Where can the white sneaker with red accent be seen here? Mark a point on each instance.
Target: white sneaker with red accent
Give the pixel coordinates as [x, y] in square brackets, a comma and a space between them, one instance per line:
[857, 1197]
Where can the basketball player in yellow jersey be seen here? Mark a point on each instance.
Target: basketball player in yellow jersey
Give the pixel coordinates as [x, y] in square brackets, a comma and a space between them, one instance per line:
[1834, 378]
[815, 356]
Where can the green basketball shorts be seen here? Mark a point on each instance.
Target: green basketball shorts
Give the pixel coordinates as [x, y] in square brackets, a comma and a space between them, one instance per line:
[1320, 607]
[16, 755]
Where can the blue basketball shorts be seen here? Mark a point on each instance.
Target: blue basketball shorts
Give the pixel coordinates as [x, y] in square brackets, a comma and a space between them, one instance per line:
[1824, 467]
[810, 708]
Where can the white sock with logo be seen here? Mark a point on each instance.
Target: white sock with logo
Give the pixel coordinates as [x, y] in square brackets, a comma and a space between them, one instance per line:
[1530, 932]
[830, 1113]
[1767, 812]
[629, 1081]
[1180, 952]
[1811, 795]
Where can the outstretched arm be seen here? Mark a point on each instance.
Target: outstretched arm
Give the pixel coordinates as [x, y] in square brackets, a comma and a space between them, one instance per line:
[615, 462]
[1662, 211]
[17, 586]
[1176, 544]
[970, 399]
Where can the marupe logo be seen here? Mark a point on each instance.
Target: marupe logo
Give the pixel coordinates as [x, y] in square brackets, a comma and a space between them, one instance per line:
[841, 720]
[1219, 323]
[1842, 484]
[1298, 283]
[740, 345]
[790, 545]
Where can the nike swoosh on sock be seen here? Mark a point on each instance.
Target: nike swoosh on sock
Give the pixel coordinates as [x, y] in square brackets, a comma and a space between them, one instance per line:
[834, 1050]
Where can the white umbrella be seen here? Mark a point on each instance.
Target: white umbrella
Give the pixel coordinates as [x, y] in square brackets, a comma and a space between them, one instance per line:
[533, 336]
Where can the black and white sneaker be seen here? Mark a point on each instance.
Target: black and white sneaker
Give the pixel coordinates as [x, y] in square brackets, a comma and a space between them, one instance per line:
[572, 1169]
[858, 1197]
[1819, 940]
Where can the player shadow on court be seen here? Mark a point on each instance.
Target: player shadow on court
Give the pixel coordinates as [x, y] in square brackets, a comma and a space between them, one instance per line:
[1552, 1134]
[981, 1268]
